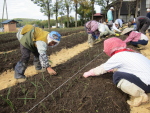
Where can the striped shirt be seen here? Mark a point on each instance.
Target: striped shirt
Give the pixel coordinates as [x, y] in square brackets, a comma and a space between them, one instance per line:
[129, 62]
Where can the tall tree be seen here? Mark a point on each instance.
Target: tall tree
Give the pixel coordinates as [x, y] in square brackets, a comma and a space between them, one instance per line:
[136, 8]
[45, 8]
[85, 10]
[130, 6]
[76, 9]
[56, 10]
[119, 9]
[92, 3]
[68, 8]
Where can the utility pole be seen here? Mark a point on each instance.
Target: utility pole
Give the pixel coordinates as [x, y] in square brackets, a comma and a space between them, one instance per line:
[4, 7]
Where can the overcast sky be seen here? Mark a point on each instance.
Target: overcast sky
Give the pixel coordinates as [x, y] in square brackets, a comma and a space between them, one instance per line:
[24, 9]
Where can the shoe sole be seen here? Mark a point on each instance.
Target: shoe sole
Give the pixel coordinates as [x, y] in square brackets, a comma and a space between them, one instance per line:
[20, 80]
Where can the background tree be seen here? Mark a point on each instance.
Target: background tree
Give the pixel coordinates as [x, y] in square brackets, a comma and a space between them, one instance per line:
[68, 8]
[130, 7]
[45, 8]
[92, 3]
[85, 10]
[76, 9]
[57, 10]
[137, 6]
[119, 9]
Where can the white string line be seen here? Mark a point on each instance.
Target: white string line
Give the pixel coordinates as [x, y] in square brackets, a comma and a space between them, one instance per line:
[63, 83]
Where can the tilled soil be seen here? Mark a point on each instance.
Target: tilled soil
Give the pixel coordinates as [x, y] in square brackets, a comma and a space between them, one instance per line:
[68, 91]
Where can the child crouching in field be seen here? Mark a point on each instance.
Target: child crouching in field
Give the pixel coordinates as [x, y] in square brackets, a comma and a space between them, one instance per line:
[131, 70]
[135, 38]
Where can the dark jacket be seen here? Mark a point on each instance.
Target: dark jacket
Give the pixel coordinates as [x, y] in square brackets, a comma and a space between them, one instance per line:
[148, 15]
[140, 21]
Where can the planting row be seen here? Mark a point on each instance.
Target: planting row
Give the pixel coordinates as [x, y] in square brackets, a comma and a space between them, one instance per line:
[7, 37]
[10, 59]
[77, 95]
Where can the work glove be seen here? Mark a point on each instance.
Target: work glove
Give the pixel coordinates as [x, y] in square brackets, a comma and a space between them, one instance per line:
[117, 34]
[89, 73]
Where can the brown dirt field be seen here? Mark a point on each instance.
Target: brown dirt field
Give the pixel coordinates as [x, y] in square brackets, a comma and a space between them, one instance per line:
[78, 95]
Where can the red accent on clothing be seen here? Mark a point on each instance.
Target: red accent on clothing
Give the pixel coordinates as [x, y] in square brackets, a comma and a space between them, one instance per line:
[126, 49]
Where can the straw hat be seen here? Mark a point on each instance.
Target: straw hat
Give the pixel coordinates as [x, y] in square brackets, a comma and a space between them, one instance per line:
[126, 30]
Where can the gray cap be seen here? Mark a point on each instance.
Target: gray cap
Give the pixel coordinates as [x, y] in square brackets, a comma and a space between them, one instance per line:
[131, 19]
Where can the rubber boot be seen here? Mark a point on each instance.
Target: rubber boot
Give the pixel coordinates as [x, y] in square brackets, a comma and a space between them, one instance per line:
[90, 40]
[37, 65]
[19, 70]
[133, 90]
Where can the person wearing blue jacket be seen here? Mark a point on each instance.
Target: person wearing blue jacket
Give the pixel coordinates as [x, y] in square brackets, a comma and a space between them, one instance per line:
[110, 15]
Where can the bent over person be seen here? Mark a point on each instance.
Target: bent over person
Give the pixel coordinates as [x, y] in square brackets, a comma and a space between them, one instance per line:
[131, 76]
[135, 38]
[35, 40]
[92, 30]
[142, 23]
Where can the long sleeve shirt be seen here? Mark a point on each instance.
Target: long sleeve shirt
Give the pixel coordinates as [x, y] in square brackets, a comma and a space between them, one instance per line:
[40, 42]
[135, 37]
[115, 28]
[109, 15]
[42, 48]
[91, 26]
[119, 21]
[139, 66]
[141, 20]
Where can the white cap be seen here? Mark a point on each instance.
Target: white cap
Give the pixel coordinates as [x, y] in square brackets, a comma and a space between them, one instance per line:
[148, 9]
[112, 8]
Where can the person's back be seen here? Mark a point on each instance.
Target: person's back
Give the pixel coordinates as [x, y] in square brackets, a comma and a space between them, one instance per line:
[148, 13]
[91, 26]
[119, 22]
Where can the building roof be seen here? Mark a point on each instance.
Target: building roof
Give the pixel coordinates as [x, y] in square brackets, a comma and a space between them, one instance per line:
[8, 21]
[97, 14]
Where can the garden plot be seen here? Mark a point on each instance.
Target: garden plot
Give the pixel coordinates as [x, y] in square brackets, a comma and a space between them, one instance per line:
[68, 91]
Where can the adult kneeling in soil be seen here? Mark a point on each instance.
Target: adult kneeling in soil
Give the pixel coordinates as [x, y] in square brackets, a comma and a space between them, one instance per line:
[140, 23]
[135, 38]
[35, 40]
[131, 70]
[97, 31]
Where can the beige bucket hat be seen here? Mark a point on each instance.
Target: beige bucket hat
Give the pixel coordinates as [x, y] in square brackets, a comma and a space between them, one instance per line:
[126, 30]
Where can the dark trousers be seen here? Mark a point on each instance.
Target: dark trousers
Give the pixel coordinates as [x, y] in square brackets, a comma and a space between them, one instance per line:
[22, 64]
[142, 42]
[26, 54]
[117, 76]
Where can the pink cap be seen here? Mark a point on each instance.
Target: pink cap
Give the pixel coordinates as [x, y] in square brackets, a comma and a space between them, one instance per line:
[113, 44]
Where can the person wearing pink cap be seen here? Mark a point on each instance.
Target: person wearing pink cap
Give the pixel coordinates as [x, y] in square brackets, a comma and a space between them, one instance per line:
[35, 40]
[131, 70]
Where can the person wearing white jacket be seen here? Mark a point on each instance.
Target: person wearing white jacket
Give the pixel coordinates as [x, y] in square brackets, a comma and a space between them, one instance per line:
[117, 24]
[104, 30]
[132, 77]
